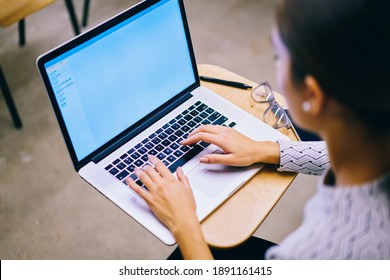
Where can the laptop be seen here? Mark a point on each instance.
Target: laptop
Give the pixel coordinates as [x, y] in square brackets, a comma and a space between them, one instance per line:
[130, 87]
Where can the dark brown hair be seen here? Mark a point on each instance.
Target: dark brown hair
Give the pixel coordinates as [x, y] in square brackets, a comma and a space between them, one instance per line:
[345, 45]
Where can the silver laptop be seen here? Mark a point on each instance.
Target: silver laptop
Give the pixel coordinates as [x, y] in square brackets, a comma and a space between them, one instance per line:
[130, 87]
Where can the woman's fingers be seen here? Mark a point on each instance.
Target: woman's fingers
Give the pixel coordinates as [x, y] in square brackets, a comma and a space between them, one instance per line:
[182, 178]
[138, 189]
[218, 158]
[208, 133]
[160, 167]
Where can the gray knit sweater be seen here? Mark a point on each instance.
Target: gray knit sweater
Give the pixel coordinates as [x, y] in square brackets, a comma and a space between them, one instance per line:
[340, 222]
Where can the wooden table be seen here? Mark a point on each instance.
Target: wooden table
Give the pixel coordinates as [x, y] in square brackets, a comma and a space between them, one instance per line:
[239, 217]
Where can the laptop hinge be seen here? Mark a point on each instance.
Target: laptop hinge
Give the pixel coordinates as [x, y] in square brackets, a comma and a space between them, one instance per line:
[143, 124]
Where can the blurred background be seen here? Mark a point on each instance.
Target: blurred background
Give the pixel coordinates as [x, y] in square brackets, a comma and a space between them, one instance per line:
[46, 210]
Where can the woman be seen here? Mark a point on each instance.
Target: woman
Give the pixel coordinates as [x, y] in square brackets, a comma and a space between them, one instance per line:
[333, 67]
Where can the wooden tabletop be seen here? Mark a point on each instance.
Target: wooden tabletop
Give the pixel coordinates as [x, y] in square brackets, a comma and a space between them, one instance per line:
[239, 217]
[12, 11]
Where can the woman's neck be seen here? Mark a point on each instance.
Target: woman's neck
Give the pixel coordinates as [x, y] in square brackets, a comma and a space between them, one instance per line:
[356, 155]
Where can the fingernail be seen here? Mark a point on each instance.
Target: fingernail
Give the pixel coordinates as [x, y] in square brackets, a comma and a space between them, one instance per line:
[152, 159]
[137, 171]
[204, 160]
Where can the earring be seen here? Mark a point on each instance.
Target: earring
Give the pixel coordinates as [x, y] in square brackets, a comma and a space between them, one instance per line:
[306, 106]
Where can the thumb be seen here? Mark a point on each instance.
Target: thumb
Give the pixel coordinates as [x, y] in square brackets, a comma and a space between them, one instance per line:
[182, 178]
[217, 159]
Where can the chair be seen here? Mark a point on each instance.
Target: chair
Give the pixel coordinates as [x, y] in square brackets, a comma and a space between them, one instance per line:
[84, 21]
[12, 11]
[9, 100]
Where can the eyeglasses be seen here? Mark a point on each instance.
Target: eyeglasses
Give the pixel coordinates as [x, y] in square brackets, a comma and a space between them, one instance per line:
[274, 115]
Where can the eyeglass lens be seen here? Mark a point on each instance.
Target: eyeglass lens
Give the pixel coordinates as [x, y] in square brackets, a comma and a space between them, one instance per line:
[276, 116]
[263, 93]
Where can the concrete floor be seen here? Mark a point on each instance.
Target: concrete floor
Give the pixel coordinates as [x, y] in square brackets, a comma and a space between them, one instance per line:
[46, 210]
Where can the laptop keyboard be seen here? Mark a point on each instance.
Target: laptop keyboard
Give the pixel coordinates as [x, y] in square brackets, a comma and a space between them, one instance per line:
[164, 143]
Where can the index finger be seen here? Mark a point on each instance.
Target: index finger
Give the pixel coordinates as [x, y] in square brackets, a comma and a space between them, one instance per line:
[160, 167]
[144, 194]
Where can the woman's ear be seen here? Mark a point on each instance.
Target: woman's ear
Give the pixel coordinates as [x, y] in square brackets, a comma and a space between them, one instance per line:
[315, 99]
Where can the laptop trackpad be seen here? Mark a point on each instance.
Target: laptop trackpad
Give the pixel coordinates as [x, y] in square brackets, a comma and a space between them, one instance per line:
[211, 179]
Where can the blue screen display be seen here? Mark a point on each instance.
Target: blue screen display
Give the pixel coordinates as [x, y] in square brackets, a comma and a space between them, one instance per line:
[112, 81]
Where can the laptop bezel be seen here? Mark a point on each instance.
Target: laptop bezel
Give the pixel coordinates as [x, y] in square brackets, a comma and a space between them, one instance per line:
[143, 123]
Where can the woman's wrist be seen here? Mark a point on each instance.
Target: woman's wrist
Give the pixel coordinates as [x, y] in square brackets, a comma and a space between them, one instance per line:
[268, 152]
[191, 241]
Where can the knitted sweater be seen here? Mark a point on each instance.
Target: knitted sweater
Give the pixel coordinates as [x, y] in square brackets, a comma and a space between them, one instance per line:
[340, 222]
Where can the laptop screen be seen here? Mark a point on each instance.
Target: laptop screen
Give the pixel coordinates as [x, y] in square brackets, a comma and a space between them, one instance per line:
[116, 78]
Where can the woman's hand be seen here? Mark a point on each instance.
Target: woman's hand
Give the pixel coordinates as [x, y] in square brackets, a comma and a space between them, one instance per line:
[238, 149]
[170, 198]
[172, 201]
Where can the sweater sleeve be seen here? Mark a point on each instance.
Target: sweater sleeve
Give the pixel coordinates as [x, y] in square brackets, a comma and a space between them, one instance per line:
[303, 157]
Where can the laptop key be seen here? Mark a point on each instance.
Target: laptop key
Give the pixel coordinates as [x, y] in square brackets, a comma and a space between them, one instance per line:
[232, 124]
[179, 133]
[114, 171]
[144, 158]
[159, 148]
[122, 175]
[149, 145]
[131, 168]
[169, 131]
[201, 108]
[108, 167]
[142, 150]
[158, 131]
[162, 136]
[210, 110]
[178, 153]
[185, 148]
[199, 119]
[194, 113]
[171, 158]
[203, 115]
[168, 151]
[121, 166]
[204, 144]
[161, 156]
[175, 126]
[220, 121]
[214, 116]
[135, 155]
[188, 117]
[174, 146]
[186, 157]
[172, 138]
[166, 143]
[191, 124]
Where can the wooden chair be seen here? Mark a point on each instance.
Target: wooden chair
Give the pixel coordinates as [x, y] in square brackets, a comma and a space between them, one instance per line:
[9, 100]
[15, 11]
